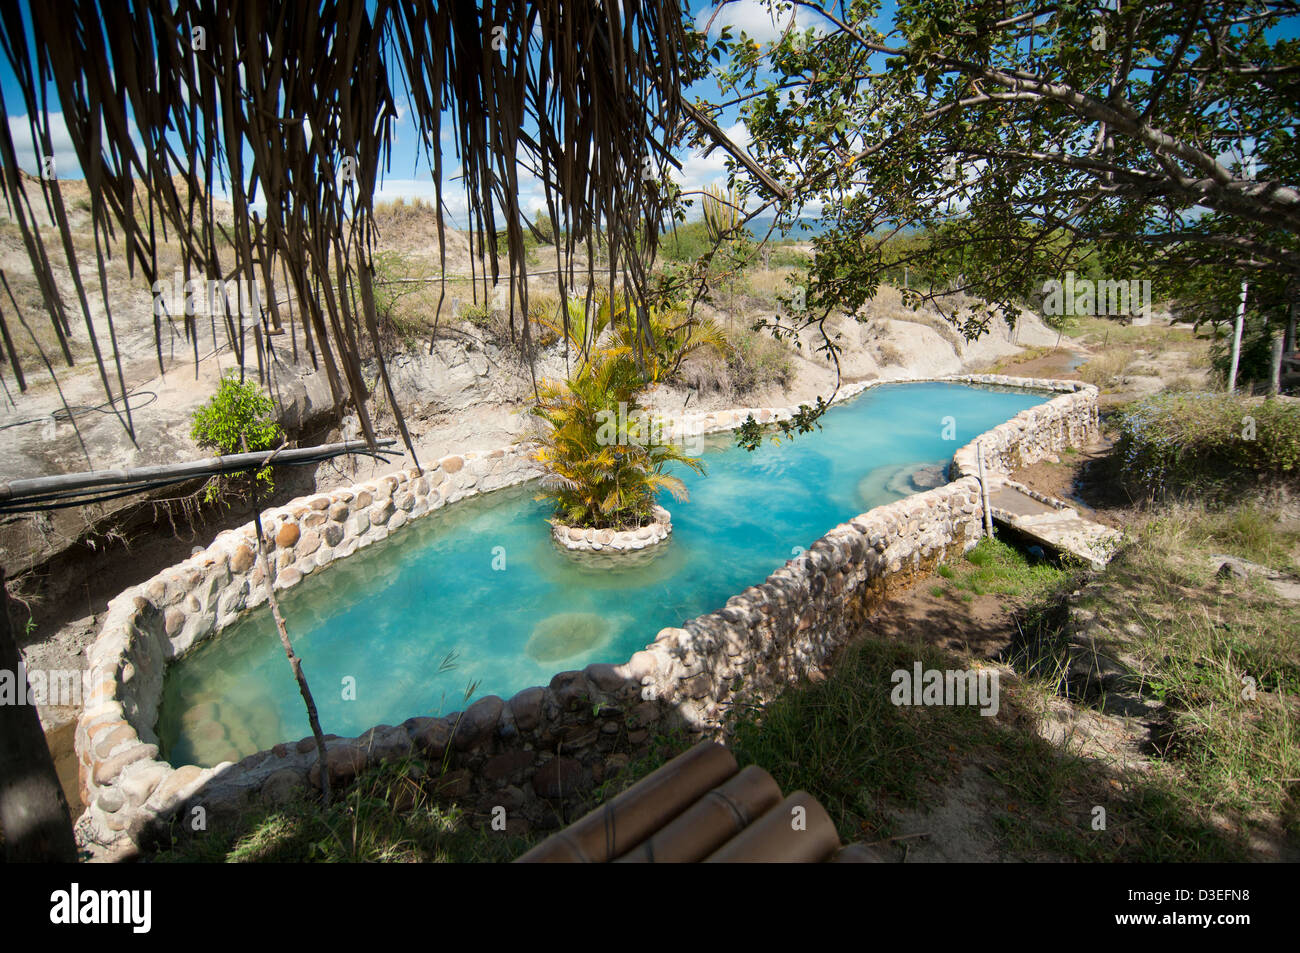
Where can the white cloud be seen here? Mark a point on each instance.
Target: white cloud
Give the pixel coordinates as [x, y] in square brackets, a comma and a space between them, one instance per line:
[760, 19]
[390, 189]
[66, 165]
[699, 170]
[532, 198]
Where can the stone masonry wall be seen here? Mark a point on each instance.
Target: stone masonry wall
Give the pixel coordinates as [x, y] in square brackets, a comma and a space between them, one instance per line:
[540, 753]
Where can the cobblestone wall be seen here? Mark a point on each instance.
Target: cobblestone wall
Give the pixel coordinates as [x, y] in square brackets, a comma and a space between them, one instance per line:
[540, 753]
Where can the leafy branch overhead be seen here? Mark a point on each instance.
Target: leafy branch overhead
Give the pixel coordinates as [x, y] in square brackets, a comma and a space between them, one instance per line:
[1022, 136]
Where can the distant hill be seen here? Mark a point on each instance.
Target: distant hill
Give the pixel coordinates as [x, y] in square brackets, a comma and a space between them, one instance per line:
[814, 226]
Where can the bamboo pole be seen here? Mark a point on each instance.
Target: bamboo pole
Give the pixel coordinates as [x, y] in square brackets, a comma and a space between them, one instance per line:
[32, 486]
[294, 662]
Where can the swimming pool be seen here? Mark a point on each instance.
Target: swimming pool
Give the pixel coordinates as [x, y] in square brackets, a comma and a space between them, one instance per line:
[477, 598]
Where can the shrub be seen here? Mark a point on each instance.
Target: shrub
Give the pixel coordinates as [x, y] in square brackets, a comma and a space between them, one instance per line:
[785, 256]
[532, 243]
[888, 354]
[593, 481]
[494, 326]
[1207, 442]
[756, 360]
[1107, 368]
[479, 315]
[239, 415]
[685, 241]
[401, 305]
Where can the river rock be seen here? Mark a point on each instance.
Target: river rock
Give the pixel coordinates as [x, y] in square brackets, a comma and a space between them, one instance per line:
[560, 777]
[287, 535]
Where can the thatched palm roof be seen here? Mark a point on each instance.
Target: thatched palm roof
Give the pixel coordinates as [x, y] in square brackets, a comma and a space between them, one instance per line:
[275, 96]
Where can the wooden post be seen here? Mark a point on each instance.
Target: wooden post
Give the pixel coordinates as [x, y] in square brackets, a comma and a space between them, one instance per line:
[268, 579]
[984, 491]
[1236, 341]
[33, 811]
[1275, 385]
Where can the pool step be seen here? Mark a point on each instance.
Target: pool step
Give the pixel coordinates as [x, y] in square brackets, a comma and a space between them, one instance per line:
[1051, 522]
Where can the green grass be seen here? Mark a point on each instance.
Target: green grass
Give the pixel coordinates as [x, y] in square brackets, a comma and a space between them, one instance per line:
[1220, 763]
[1222, 657]
[1106, 331]
[391, 813]
[996, 568]
[1248, 530]
[850, 747]
[1004, 364]
[1106, 368]
[388, 814]
[844, 742]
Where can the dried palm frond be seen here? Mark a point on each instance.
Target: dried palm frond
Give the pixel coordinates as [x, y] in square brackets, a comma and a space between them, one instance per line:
[292, 105]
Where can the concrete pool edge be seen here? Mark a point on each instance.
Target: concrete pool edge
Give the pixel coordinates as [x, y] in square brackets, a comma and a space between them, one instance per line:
[764, 636]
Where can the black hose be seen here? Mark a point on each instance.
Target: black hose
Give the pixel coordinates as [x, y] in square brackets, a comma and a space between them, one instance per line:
[62, 499]
[63, 415]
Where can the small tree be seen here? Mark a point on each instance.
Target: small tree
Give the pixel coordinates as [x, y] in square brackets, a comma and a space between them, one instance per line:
[239, 415]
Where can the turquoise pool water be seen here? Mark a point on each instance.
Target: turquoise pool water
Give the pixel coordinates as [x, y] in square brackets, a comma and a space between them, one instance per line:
[477, 597]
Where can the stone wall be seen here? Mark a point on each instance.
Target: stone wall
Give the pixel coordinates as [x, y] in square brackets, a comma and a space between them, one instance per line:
[1034, 433]
[541, 752]
[578, 539]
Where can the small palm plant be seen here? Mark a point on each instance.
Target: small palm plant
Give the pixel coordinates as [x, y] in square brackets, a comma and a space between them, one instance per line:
[595, 481]
[600, 475]
[674, 336]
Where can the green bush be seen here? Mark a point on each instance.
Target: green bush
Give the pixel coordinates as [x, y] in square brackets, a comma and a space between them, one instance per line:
[479, 315]
[1207, 442]
[240, 415]
[597, 477]
[783, 256]
[685, 242]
